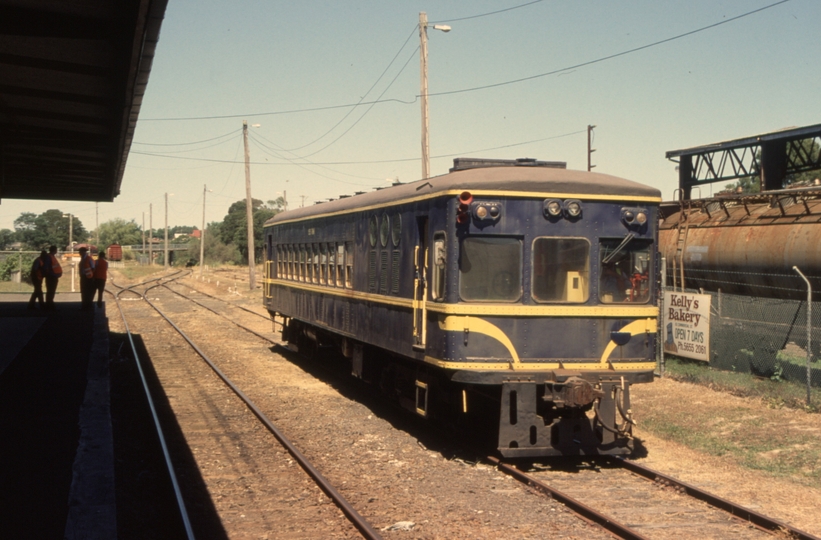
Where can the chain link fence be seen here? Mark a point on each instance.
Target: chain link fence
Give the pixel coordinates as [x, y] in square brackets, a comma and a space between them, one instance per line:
[764, 336]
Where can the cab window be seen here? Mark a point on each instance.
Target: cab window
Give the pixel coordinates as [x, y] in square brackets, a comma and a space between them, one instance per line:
[490, 269]
[624, 271]
[561, 269]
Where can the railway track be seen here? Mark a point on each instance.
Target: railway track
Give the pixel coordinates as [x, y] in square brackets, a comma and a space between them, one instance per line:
[629, 506]
[215, 416]
[638, 503]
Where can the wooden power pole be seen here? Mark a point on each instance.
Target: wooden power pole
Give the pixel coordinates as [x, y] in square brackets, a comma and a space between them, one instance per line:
[249, 207]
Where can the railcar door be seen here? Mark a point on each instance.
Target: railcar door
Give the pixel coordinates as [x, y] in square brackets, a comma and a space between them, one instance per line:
[420, 286]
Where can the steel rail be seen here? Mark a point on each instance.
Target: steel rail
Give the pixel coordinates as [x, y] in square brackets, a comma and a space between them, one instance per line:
[604, 521]
[212, 310]
[356, 519]
[251, 311]
[189, 532]
[759, 520]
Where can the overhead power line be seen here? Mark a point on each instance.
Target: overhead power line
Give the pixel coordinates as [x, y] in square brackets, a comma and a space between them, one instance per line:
[484, 87]
[193, 142]
[371, 162]
[609, 57]
[487, 14]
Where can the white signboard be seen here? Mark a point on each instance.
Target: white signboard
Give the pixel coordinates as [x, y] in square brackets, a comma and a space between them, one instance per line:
[687, 325]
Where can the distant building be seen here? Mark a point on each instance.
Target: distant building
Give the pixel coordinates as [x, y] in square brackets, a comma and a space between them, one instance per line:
[196, 234]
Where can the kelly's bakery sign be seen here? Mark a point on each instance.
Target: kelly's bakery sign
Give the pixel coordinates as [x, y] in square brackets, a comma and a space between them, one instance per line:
[687, 325]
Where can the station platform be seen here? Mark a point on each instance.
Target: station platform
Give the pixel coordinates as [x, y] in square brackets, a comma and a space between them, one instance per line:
[56, 447]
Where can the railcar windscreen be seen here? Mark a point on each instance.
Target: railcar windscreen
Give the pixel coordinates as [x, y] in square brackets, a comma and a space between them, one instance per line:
[624, 273]
[490, 269]
[561, 269]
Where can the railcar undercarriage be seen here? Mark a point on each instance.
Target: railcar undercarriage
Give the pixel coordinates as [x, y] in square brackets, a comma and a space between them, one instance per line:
[558, 413]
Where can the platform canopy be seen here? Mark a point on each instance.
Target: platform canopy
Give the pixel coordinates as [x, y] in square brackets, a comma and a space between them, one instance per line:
[72, 78]
[769, 156]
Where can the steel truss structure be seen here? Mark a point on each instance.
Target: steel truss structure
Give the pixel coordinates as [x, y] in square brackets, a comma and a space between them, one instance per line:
[771, 157]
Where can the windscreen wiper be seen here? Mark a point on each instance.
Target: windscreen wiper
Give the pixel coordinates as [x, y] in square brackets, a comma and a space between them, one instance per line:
[620, 247]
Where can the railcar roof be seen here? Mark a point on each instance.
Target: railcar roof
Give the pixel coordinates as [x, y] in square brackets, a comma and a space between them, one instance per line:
[504, 180]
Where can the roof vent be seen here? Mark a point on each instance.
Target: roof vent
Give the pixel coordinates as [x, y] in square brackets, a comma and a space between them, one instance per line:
[461, 164]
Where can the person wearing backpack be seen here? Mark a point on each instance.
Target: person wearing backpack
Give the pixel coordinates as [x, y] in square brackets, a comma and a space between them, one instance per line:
[86, 280]
[52, 272]
[37, 280]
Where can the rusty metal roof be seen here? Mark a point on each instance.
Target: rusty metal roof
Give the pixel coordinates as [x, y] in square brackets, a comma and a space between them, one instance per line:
[72, 78]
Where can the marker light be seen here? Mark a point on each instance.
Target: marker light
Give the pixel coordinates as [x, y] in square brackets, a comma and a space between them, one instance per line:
[574, 209]
[629, 217]
[463, 207]
[641, 218]
[553, 208]
[481, 212]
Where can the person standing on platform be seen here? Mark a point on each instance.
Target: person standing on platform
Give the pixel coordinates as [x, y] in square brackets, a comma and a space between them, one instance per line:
[37, 280]
[52, 272]
[100, 275]
[86, 279]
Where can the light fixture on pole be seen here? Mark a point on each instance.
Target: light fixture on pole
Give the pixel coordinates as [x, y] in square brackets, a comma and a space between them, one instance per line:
[423, 61]
[165, 254]
[71, 245]
[202, 232]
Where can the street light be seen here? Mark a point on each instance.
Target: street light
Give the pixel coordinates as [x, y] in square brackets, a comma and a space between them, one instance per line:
[202, 232]
[70, 232]
[71, 245]
[423, 60]
[165, 254]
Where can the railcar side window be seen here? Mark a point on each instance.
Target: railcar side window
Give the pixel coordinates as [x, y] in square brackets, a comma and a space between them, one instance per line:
[340, 265]
[315, 275]
[561, 269]
[437, 290]
[349, 265]
[624, 274]
[302, 256]
[323, 270]
[490, 269]
[331, 264]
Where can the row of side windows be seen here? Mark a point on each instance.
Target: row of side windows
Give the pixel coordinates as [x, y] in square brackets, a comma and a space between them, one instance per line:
[324, 263]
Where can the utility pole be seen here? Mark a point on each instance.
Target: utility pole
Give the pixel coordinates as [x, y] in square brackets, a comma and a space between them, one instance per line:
[202, 232]
[151, 234]
[165, 255]
[285, 199]
[303, 197]
[423, 68]
[590, 149]
[423, 72]
[143, 235]
[249, 211]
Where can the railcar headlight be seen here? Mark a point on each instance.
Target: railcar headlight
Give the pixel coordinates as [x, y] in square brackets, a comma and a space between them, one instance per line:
[635, 218]
[552, 208]
[481, 212]
[573, 208]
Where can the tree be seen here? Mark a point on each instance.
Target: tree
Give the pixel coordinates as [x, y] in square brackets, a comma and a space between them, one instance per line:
[25, 228]
[49, 228]
[234, 228]
[119, 231]
[6, 238]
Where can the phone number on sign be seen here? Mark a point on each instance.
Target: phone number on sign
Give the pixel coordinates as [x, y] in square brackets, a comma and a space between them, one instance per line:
[696, 348]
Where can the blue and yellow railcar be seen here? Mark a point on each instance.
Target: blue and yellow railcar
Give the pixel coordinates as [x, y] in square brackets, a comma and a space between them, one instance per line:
[510, 290]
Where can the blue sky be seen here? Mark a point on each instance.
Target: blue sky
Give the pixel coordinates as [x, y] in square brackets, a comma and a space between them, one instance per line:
[219, 63]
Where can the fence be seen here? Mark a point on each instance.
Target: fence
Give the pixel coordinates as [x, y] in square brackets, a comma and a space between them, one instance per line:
[764, 336]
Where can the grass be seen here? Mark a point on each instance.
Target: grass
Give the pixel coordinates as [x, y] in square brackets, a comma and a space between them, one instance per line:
[773, 441]
[775, 393]
[747, 439]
